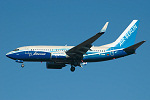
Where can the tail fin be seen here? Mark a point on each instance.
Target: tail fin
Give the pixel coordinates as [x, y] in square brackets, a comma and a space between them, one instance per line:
[127, 38]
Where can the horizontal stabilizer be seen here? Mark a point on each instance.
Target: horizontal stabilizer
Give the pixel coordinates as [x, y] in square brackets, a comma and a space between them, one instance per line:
[132, 48]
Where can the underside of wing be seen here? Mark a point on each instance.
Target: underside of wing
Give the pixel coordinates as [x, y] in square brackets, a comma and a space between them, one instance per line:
[78, 51]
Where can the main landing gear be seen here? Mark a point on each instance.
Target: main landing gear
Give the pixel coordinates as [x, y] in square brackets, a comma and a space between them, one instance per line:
[72, 69]
[74, 64]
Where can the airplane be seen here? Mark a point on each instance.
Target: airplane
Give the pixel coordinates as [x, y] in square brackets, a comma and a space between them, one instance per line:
[57, 57]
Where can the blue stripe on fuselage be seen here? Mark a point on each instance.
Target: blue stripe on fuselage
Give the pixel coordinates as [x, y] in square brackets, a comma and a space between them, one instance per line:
[104, 56]
[30, 55]
[46, 56]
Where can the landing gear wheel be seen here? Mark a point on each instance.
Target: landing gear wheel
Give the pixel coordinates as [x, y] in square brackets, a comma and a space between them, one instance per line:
[22, 65]
[72, 69]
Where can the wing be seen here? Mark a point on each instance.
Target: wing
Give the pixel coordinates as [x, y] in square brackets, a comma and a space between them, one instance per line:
[78, 51]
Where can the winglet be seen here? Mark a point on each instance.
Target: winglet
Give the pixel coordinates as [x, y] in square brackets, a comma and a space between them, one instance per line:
[132, 48]
[104, 28]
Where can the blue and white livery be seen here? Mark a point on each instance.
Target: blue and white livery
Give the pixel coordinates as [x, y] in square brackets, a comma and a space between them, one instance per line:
[57, 57]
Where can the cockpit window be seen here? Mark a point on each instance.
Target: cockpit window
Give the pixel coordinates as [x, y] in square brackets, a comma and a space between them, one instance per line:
[16, 50]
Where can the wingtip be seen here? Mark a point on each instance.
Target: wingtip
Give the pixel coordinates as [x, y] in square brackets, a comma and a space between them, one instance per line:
[143, 41]
[105, 27]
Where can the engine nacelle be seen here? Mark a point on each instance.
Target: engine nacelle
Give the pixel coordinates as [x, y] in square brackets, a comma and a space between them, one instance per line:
[52, 65]
[59, 55]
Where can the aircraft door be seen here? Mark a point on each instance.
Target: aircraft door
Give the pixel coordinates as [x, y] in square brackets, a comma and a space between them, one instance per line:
[112, 51]
[27, 51]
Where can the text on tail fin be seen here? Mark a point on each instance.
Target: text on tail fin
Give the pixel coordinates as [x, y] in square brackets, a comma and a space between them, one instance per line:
[127, 38]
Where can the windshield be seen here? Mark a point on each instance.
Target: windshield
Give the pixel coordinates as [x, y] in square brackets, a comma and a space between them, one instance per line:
[16, 50]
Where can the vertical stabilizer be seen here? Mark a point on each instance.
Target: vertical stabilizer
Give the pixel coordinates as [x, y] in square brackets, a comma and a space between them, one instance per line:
[127, 38]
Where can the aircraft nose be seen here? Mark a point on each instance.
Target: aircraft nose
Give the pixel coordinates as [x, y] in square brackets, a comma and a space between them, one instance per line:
[8, 54]
[12, 55]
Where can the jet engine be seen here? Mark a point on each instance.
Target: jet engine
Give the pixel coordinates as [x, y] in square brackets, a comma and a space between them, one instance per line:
[52, 65]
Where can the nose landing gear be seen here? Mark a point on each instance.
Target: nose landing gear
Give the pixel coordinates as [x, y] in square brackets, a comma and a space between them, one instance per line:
[22, 65]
